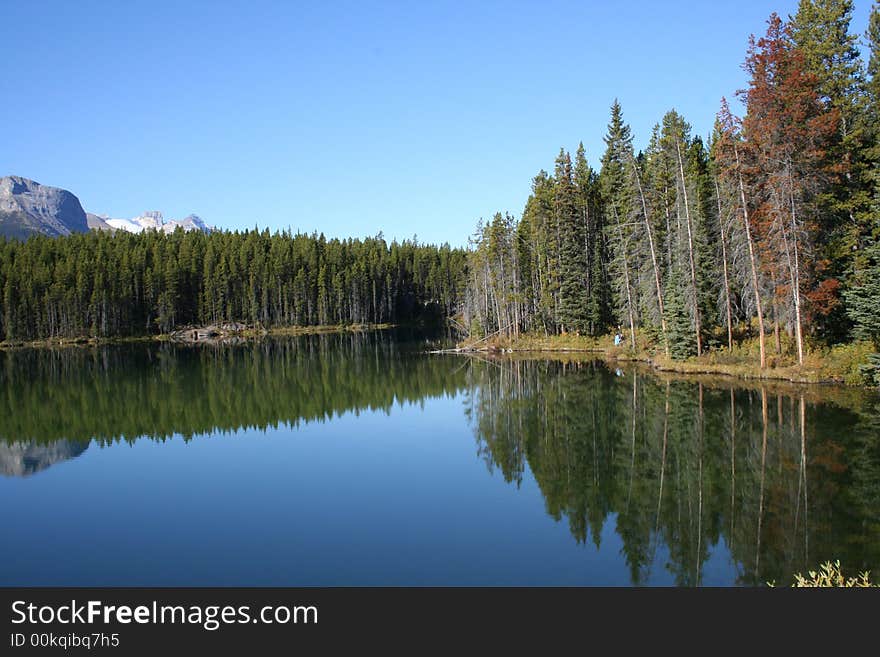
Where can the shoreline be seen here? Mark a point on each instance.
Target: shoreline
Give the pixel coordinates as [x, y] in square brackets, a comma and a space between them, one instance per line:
[245, 334]
[821, 370]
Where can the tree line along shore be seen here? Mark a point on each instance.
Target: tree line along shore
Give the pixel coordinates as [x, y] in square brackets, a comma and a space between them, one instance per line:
[755, 252]
[758, 248]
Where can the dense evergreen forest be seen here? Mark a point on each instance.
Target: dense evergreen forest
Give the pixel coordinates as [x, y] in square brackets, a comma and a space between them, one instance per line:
[106, 285]
[769, 230]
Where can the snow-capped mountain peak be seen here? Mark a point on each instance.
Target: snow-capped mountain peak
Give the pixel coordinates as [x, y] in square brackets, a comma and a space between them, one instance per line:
[154, 220]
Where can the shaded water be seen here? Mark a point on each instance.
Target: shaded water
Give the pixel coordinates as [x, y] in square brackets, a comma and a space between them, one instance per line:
[359, 459]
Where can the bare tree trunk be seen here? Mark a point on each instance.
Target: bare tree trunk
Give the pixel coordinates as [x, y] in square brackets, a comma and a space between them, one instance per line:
[777, 342]
[517, 310]
[752, 261]
[796, 274]
[724, 268]
[691, 258]
[653, 257]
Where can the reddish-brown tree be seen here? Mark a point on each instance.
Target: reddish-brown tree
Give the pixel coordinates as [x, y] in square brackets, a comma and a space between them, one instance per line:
[788, 133]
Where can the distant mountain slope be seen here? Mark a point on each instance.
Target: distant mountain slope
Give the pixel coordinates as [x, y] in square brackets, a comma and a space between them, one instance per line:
[28, 208]
[97, 222]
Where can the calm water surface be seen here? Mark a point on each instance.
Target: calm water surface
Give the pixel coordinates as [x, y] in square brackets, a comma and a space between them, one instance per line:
[359, 459]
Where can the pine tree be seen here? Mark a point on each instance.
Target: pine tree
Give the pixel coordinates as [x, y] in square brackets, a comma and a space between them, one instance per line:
[820, 31]
[573, 300]
[863, 300]
[626, 209]
[591, 219]
[682, 339]
[873, 119]
[676, 164]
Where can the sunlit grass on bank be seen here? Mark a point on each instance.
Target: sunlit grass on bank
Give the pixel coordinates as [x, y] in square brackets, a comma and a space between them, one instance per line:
[849, 364]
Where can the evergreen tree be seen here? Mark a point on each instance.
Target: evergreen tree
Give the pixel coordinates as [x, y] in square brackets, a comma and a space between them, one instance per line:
[598, 298]
[863, 300]
[618, 198]
[573, 298]
[873, 119]
[820, 32]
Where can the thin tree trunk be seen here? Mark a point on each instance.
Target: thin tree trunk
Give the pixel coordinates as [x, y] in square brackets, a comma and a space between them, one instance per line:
[727, 303]
[777, 342]
[752, 262]
[653, 257]
[796, 274]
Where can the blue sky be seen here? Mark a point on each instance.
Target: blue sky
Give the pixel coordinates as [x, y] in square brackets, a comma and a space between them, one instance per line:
[411, 118]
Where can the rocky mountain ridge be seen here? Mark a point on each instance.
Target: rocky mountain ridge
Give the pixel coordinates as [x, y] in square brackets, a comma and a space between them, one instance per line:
[28, 208]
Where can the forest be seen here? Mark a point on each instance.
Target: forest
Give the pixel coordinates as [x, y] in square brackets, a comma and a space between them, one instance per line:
[762, 238]
[114, 285]
[768, 232]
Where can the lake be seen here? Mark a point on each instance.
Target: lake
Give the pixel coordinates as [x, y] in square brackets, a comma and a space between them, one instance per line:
[359, 459]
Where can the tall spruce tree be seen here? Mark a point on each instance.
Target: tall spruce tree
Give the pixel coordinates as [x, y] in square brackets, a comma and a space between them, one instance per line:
[585, 181]
[617, 197]
[873, 118]
[820, 31]
[863, 297]
[573, 300]
[863, 300]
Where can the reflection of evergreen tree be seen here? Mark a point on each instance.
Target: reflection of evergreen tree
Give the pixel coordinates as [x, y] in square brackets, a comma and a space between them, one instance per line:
[600, 444]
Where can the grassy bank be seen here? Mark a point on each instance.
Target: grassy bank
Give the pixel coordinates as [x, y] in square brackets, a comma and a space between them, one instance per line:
[837, 364]
[247, 333]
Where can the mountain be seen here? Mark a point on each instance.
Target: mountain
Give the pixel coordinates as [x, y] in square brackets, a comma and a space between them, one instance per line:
[98, 222]
[28, 208]
[20, 459]
[192, 222]
[154, 220]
